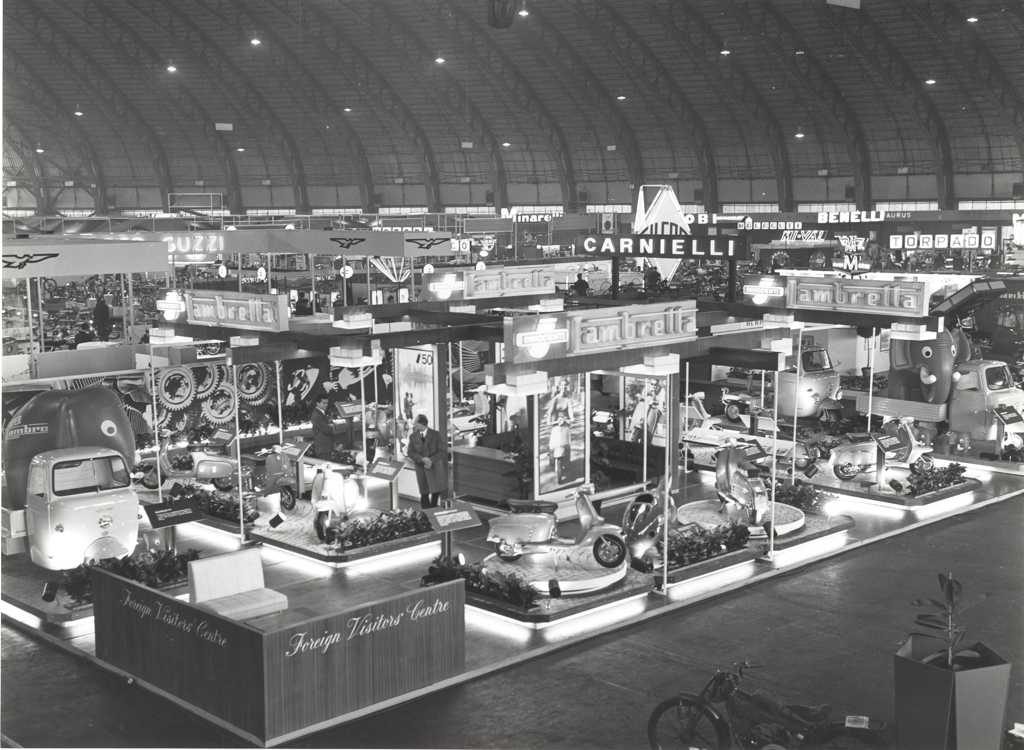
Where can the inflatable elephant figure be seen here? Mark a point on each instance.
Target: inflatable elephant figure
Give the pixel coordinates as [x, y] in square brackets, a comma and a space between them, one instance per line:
[91, 417]
[924, 370]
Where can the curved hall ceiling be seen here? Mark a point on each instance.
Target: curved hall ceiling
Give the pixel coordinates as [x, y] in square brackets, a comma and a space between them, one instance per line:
[344, 103]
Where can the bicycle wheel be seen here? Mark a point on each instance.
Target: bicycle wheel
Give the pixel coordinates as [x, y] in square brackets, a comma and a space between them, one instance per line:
[682, 722]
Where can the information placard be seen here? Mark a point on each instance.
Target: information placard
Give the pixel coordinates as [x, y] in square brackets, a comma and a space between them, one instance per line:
[388, 470]
[1008, 414]
[162, 515]
[459, 516]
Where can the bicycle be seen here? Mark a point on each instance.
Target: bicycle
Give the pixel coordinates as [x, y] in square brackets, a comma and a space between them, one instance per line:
[722, 717]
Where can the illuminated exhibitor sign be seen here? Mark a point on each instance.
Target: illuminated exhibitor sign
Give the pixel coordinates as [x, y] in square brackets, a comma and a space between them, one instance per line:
[850, 217]
[253, 312]
[663, 246]
[765, 291]
[898, 298]
[516, 281]
[529, 338]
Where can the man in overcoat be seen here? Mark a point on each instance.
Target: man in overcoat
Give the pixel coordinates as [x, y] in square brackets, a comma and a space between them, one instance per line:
[427, 452]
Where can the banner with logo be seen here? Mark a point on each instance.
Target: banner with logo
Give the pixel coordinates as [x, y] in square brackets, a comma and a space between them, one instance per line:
[532, 338]
[894, 298]
[251, 312]
[55, 257]
[514, 281]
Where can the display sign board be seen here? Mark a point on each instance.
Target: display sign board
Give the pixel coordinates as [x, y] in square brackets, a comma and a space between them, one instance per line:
[887, 442]
[162, 515]
[54, 258]
[895, 298]
[251, 312]
[402, 244]
[388, 470]
[1008, 414]
[529, 338]
[765, 291]
[515, 281]
[660, 246]
[459, 516]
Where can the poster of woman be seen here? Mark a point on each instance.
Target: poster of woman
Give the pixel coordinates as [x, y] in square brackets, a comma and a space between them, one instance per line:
[561, 444]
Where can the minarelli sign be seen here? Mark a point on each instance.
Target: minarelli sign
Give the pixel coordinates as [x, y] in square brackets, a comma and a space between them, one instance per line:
[661, 246]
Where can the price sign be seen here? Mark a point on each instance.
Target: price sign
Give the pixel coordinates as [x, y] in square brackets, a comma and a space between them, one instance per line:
[388, 470]
[1008, 414]
[461, 244]
[162, 515]
[459, 516]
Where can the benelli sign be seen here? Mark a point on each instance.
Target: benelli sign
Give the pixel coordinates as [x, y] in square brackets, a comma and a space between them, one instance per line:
[529, 338]
[251, 312]
[898, 298]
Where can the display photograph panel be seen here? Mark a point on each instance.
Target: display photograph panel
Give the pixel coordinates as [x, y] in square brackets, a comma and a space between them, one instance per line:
[561, 438]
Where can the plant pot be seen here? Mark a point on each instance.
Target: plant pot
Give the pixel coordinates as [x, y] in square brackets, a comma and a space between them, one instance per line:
[938, 709]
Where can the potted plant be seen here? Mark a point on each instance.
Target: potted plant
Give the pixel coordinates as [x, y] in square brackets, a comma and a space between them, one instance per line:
[948, 698]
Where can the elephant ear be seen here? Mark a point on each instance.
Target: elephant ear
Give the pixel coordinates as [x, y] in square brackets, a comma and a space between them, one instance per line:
[899, 354]
[67, 424]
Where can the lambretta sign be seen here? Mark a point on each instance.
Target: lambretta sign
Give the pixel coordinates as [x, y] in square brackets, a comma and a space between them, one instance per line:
[502, 282]
[899, 298]
[253, 312]
[580, 332]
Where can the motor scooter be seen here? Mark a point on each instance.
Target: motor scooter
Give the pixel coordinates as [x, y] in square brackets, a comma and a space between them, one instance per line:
[337, 501]
[739, 481]
[202, 462]
[518, 534]
[900, 444]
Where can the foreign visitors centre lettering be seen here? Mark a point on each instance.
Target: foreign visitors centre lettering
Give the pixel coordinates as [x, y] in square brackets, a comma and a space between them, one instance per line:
[172, 617]
[368, 624]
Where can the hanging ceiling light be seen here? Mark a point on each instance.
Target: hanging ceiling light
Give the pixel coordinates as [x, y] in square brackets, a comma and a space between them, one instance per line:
[172, 68]
[255, 41]
[440, 60]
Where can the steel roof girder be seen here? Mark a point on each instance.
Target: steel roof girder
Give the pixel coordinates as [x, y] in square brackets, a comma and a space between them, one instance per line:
[64, 47]
[469, 32]
[180, 26]
[132, 46]
[876, 49]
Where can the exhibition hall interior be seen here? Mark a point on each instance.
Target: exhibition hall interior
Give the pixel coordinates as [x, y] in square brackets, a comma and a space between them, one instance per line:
[513, 374]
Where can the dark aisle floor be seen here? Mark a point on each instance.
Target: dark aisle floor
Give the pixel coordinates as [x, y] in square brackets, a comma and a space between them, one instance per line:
[824, 634]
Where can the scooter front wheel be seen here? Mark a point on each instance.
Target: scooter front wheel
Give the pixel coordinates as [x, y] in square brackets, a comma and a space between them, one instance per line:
[287, 498]
[609, 551]
[846, 471]
[320, 525]
[683, 722]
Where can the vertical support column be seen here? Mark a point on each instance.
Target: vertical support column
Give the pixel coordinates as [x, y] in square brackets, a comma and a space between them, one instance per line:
[368, 296]
[280, 404]
[42, 331]
[156, 428]
[412, 284]
[775, 465]
[671, 418]
[871, 375]
[445, 415]
[238, 265]
[312, 280]
[238, 458]
[131, 309]
[796, 408]
[615, 278]
[28, 312]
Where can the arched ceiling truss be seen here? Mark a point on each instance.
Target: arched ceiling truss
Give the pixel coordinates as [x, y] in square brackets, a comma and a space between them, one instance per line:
[302, 79]
[20, 75]
[875, 49]
[559, 49]
[623, 42]
[133, 48]
[66, 50]
[491, 58]
[702, 44]
[179, 26]
[777, 37]
[964, 48]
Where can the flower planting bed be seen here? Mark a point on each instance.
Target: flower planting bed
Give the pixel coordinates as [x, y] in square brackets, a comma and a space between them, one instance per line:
[296, 534]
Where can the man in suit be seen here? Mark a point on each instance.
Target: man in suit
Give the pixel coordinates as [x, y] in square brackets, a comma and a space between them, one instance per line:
[323, 428]
[427, 452]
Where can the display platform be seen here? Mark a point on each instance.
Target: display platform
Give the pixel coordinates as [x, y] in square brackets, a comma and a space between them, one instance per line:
[549, 609]
[710, 513]
[883, 493]
[296, 534]
[576, 573]
[22, 583]
[1003, 467]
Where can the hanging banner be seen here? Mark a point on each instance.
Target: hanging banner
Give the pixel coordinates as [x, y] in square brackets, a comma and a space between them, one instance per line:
[529, 338]
[362, 242]
[765, 291]
[898, 298]
[251, 312]
[52, 257]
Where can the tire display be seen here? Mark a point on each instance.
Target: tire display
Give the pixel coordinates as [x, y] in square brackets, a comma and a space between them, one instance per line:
[175, 387]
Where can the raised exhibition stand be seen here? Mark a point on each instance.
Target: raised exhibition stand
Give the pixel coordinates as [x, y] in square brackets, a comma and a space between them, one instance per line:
[272, 678]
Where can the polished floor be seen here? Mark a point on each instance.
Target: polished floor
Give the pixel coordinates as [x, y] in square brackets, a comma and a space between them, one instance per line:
[825, 633]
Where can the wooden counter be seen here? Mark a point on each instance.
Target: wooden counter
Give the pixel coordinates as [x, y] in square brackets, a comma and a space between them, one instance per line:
[273, 678]
[485, 473]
